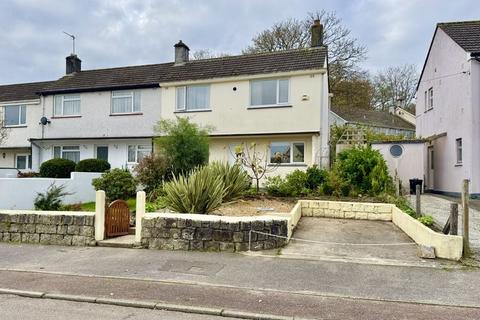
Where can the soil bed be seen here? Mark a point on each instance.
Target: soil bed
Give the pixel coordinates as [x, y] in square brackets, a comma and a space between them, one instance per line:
[255, 207]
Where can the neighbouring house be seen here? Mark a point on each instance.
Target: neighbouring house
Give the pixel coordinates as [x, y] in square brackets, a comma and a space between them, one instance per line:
[448, 108]
[278, 100]
[393, 122]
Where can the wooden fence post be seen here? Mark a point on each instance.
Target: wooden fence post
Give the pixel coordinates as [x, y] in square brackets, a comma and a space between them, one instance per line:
[465, 204]
[139, 213]
[418, 208]
[454, 219]
[100, 215]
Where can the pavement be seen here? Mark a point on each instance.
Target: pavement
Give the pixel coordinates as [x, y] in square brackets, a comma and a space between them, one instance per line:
[269, 285]
[439, 208]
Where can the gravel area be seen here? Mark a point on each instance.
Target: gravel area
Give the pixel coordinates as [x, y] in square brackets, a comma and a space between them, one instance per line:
[253, 207]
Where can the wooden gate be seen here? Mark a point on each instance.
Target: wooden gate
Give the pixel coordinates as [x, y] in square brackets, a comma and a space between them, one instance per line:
[117, 219]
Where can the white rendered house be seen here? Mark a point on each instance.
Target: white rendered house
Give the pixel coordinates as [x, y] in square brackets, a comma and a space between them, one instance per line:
[278, 100]
[448, 108]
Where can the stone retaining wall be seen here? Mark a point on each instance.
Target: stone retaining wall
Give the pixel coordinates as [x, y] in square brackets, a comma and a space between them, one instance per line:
[211, 233]
[48, 227]
[347, 210]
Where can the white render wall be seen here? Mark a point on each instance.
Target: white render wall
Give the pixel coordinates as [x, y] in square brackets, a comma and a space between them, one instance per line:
[20, 193]
[451, 74]
[410, 165]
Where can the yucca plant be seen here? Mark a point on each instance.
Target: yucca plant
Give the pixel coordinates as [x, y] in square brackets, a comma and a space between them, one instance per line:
[201, 192]
[235, 180]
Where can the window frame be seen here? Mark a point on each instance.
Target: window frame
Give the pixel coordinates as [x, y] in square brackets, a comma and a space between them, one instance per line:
[63, 115]
[136, 152]
[62, 150]
[20, 124]
[130, 95]
[101, 146]
[28, 161]
[185, 107]
[430, 99]
[277, 104]
[291, 144]
[459, 151]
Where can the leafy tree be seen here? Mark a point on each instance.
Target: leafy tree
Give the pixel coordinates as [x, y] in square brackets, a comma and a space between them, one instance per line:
[152, 171]
[184, 143]
[117, 184]
[395, 86]
[354, 91]
[207, 54]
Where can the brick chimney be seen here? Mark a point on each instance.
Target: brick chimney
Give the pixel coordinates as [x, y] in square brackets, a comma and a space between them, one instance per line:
[181, 53]
[317, 34]
[74, 64]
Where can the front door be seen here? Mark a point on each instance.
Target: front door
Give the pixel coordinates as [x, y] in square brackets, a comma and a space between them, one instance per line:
[431, 167]
[102, 152]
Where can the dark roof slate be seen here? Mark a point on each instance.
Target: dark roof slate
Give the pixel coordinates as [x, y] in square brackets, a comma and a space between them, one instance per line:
[465, 33]
[372, 118]
[152, 75]
[21, 91]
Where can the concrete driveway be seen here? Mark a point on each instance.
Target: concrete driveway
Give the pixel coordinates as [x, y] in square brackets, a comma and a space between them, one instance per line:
[362, 241]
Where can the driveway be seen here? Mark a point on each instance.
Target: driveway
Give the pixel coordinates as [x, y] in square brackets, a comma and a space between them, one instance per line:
[362, 241]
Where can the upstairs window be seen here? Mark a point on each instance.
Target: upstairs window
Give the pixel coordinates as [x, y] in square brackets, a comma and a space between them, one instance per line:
[67, 152]
[67, 105]
[430, 98]
[458, 144]
[269, 92]
[192, 98]
[125, 101]
[137, 152]
[15, 116]
[287, 153]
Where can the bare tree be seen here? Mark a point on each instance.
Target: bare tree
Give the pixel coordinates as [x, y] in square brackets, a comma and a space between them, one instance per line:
[3, 130]
[207, 54]
[395, 86]
[254, 161]
[344, 51]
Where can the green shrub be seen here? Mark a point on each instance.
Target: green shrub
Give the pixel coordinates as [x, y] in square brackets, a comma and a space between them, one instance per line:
[117, 184]
[184, 143]
[315, 177]
[277, 187]
[57, 168]
[365, 170]
[235, 179]
[152, 171]
[92, 165]
[51, 200]
[426, 220]
[294, 185]
[202, 192]
[335, 185]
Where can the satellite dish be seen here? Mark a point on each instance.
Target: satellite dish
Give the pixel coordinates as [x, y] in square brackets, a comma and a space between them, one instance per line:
[44, 121]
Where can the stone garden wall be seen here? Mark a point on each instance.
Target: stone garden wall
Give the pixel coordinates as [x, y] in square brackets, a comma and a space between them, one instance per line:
[48, 227]
[347, 210]
[212, 233]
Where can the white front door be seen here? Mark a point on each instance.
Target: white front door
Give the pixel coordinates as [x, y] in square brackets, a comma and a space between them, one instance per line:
[431, 166]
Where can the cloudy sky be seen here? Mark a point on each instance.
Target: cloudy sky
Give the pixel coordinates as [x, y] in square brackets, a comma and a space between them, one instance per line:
[124, 32]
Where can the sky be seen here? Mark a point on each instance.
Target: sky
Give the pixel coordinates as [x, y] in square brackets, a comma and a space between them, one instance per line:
[33, 46]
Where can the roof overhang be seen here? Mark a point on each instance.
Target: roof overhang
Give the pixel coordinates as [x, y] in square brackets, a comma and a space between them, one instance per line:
[100, 88]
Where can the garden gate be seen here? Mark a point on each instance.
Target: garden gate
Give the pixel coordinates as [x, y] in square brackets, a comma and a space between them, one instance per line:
[117, 219]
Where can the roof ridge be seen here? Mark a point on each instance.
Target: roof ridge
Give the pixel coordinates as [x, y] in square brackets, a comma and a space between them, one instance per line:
[213, 59]
[458, 22]
[26, 83]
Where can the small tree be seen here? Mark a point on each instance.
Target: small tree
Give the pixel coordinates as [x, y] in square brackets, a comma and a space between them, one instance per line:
[3, 130]
[152, 171]
[117, 184]
[184, 143]
[256, 162]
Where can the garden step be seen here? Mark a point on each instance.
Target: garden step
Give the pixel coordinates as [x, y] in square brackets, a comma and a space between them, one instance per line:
[131, 230]
[127, 241]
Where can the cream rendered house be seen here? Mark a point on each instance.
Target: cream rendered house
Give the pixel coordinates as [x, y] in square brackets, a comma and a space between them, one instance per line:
[278, 100]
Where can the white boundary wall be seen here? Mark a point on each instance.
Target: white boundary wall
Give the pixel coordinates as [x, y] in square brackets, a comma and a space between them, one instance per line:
[19, 193]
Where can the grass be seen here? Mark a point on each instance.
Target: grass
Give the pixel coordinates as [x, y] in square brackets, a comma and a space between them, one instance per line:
[90, 206]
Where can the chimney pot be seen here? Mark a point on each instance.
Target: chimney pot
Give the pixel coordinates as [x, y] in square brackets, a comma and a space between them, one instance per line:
[317, 34]
[73, 64]
[181, 53]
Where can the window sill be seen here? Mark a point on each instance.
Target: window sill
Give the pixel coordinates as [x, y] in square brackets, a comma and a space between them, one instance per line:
[66, 117]
[191, 111]
[459, 164]
[428, 110]
[287, 165]
[126, 114]
[270, 106]
[18, 126]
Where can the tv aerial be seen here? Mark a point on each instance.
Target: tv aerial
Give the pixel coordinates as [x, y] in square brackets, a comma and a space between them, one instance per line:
[73, 40]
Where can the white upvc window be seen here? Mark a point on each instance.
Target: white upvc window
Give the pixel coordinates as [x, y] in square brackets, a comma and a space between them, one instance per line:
[126, 101]
[271, 92]
[14, 116]
[458, 148]
[137, 152]
[430, 98]
[23, 161]
[66, 105]
[425, 100]
[67, 152]
[193, 98]
[287, 152]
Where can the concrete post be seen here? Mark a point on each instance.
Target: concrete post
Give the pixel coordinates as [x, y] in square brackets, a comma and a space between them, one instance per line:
[466, 227]
[140, 212]
[454, 219]
[418, 207]
[100, 215]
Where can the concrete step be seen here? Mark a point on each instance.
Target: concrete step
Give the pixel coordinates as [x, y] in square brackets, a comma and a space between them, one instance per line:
[131, 230]
[127, 241]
